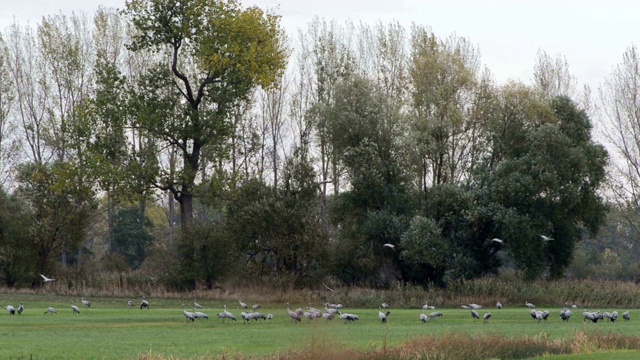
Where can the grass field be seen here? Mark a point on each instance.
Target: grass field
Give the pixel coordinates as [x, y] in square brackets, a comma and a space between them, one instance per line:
[110, 330]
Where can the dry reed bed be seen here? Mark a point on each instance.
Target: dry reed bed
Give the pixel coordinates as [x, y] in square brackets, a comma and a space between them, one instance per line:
[457, 346]
[584, 293]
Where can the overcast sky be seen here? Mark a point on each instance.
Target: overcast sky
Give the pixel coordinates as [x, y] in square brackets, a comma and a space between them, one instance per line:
[591, 34]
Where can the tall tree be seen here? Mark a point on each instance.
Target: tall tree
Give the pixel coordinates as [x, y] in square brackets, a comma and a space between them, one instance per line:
[31, 91]
[552, 78]
[66, 50]
[543, 178]
[217, 53]
[373, 208]
[444, 74]
[620, 105]
[234, 49]
[62, 204]
[8, 142]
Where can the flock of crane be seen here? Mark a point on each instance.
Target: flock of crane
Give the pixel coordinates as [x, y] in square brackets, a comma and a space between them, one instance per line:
[332, 311]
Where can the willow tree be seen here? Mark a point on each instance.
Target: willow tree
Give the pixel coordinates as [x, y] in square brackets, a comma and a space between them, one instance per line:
[217, 52]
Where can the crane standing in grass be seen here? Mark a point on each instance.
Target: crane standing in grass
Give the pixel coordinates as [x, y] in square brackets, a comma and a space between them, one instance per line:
[293, 315]
[10, 309]
[188, 315]
[51, 311]
[226, 315]
[474, 314]
[20, 309]
[529, 305]
[76, 310]
[86, 303]
[423, 317]
[486, 317]
[383, 315]
[144, 304]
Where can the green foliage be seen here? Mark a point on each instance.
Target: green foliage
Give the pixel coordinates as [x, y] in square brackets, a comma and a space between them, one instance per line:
[16, 244]
[424, 251]
[131, 236]
[62, 206]
[218, 53]
[546, 185]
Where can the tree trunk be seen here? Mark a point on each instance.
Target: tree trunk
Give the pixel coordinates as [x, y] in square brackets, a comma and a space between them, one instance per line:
[172, 209]
[64, 253]
[110, 221]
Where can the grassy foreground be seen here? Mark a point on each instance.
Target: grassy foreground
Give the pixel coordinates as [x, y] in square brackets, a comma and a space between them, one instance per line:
[110, 330]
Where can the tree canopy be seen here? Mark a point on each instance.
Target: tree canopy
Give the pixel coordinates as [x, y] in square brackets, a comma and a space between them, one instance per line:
[379, 155]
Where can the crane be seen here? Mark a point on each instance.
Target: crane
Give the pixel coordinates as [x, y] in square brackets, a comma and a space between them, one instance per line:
[625, 316]
[226, 314]
[383, 315]
[293, 315]
[330, 310]
[246, 317]
[474, 314]
[20, 309]
[200, 315]
[259, 316]
[435, 314]
[46, 279]
[130, 304]
[10, 309]
[486, 317]
[242, 305]
[426, 306]
[349, 317]
[86, 303]
[196, 305]
[144, 304]
[76, 310]
[424, 317]
[51, 311]
[529, 305]
[189, 316]
[499, 305]
[565, 315]
[614, 316]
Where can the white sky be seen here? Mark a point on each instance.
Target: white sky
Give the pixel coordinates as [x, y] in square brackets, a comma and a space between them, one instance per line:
[591, 34]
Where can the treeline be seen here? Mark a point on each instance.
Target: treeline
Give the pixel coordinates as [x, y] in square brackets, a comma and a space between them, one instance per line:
[173, 139]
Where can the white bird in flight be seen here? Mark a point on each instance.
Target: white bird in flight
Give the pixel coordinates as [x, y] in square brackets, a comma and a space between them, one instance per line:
[499, 241]
[391, 246]
[545, 238]
[46, 279]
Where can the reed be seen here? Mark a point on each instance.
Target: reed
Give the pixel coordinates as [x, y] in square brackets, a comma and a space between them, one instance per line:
[584, 293]
[455, 346]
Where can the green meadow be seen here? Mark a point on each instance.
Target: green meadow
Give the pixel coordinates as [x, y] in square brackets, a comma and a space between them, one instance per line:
[111, 330]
